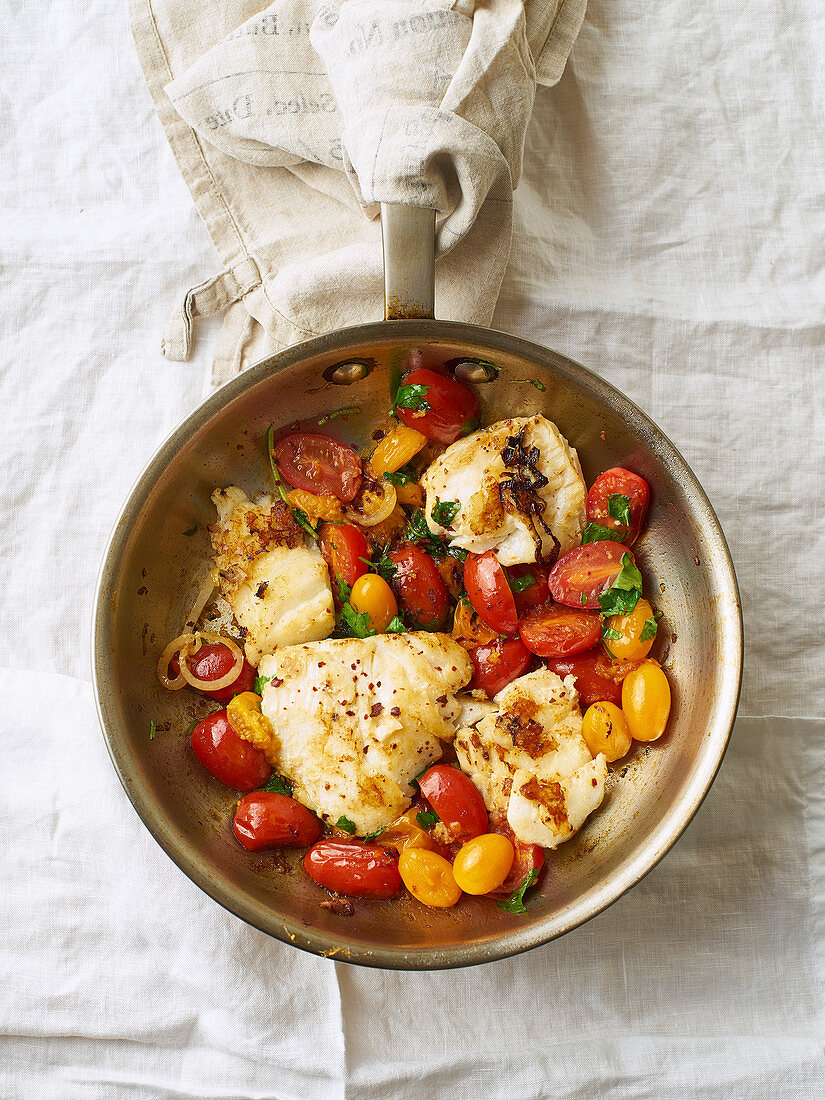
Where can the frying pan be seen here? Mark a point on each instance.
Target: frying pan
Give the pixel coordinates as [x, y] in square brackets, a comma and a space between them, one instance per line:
[153, 562]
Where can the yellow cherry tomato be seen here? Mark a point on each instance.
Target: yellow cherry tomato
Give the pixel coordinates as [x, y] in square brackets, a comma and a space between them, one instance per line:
[646, 701]
[604, 728]
[629, 646]
[372, 594]
[405, 832]
[428, 877]
[483, 863]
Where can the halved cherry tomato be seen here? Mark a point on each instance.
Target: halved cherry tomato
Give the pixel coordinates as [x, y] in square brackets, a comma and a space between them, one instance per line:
[456, 800]
[228, 756]
[353, 868]
[344, 547]
[264, 819]
[580, 577]
[591, 684]
[417, 583]
[489, 592]
[555, 631]
[319, 464]
[619, 482]
[451, 409]
[527, 858]
[211, 662]
[496, 665]
[535, 592]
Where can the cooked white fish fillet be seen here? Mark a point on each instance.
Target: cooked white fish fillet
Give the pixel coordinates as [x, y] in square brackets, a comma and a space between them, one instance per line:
[355, 720]
[530, 761]
[491, 482]
[278, 588]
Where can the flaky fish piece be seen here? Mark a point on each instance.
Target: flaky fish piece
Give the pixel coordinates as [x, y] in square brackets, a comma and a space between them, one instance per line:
[355, 720]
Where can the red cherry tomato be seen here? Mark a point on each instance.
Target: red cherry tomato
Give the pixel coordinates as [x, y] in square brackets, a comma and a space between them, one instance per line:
[555, 631]
[211, 662]
[452, 409]
[264, 819]
[534, 593]
[344, 547]
[590, 684]
[528, 857]
[353, 868]
[417, 583]
[489, 592]
[619, 482]
[319, 464]
[456, 800]
[227, 756]
[580, 577]
[496, 665]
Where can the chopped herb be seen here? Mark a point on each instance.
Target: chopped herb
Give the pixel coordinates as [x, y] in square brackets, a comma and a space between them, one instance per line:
[395, 626]
[343, 589]
[299, 515]
[457, 552]
[515, 903]
[469, 427]
[358, 621]
[518, 584]
[649, 630]
[594, 532]
[491, 366]
[609, 634]
[399, 477]
[533, 382]
[278, 785]
[445, 511]
[153, 729]
[347, 825]
[625, 592]
[412, 397]
[583, 599]
[372, 836]
[260, 684]
[338, 412]
[192, 531]
[418, 531]
[427, 818]
[619, 508]
[384, 566]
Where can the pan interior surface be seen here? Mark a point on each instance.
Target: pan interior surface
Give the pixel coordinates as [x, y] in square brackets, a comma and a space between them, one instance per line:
[155, 561]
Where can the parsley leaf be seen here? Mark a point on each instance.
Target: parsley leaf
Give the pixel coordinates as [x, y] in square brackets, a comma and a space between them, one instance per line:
[385, 566]
[649, 630]
[490, 366]
[277, 784]
[418, 531]
[372, 836]
[618, 506]
[348, 411]
[515, 903]
[358, 621]
[609, 634]
[625, 592]
[347, 825]
[533, 382]
[583, 599]
[395, 626]
[594, 532]
[399, 477]
[427, 818]
[518, 584]
[260, 684]
[411, 397]
[192, 530]
[298, 514]
[343, 589]
[153, 729]
[445, 511]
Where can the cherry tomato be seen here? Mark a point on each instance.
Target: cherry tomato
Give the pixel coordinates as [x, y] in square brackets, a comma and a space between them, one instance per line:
[605, 730]
[646, 701]
[489, 592]
[630, 627]
[429, 878]
[417, 583]
[526, 858]
[580, 577]
[372, 594]
[592, 685]
[264, 819]
[228, 756]
[344, 547]
[551, 630]
[496, 665]
[452, 409]
[483, 863]
[211, 662]
[319, 464]
[619, 482]
[353, 868]
[456, 800]
[534, 593]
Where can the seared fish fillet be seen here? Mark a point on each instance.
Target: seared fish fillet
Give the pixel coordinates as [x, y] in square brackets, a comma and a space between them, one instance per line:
[530, 761]
[516, 498]
[355, 720]
[277, 587]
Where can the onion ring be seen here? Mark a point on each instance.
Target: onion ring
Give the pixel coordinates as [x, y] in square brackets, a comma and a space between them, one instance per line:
[187, 645]
[376, 502]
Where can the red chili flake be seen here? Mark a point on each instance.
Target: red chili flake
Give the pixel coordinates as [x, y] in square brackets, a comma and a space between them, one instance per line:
[376, 709]
[395, 711]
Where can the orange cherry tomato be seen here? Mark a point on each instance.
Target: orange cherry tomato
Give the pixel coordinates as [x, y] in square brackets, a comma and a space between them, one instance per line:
[630, 627]
[483, 863]
[646, 701]
[605, 729]
[372, 594]
[528, 857]
[429, 878]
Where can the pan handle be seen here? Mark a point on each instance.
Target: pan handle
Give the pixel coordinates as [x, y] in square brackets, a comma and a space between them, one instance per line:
[408, 233]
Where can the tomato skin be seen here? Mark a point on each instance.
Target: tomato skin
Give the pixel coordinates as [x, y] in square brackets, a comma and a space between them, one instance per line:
[583, 574]
[429, 878]
[527, 858]
[591, 686]
[319, 464]
[497, 665]
[371, 595]
[353, 868]
[264, 819]
[456, 800]
[343, 547]
[552, 630]
[211, 662]
[535, 593]
[619, 481]
[421, 592]
[453, 410]
[227, 756]
[483, 863]
[489, 592]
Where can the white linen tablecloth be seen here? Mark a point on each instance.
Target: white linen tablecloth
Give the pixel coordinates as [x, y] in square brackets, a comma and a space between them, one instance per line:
[669, 231]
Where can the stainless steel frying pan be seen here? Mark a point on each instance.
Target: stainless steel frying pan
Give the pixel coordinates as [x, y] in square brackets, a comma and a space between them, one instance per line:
[147, 584]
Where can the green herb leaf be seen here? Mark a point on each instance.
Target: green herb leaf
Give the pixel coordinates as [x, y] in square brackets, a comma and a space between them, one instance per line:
[583, 599]
[278, 784]
[445, 511]
[153, 729]
[594, 532]
[533, 382]
[609, 634]
[619, 508]
[358, 621]
[343, 589]
[491, 366]
[625, 592]
[384, 566]
[427, 818]
[348, 411]
[399, 477]
[372, 836]
[395, 626]
[518, 584]
[457, 552]
[260, 684]
[192, 531]
[649, 630]
[412, 397]
[515, 903]
[347, 825]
